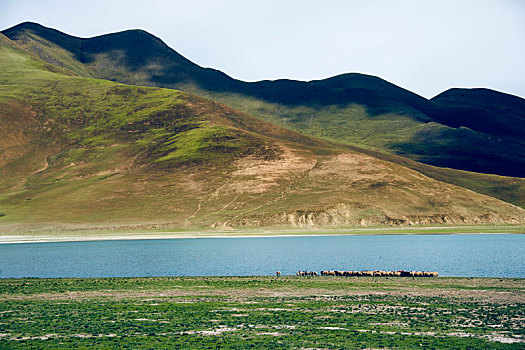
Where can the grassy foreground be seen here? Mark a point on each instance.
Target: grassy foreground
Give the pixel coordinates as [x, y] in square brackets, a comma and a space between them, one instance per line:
[263, 312]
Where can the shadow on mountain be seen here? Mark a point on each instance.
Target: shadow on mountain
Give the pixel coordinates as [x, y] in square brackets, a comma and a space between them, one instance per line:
[465, 149]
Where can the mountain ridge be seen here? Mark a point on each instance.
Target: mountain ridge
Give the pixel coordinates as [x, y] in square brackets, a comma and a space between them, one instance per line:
[352, 108]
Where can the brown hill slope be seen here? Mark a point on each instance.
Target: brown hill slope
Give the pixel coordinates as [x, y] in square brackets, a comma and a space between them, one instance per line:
[80, 152]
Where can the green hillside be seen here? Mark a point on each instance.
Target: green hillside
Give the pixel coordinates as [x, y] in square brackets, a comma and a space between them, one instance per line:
[80, 152]
[353, 109]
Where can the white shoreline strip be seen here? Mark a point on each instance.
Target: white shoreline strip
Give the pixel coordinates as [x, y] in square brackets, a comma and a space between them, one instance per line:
[17, 239]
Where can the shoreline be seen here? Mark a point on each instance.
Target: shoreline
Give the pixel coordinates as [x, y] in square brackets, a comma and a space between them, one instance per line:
[93, 237]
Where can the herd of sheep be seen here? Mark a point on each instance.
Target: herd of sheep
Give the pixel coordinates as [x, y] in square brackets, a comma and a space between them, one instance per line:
[400, 273]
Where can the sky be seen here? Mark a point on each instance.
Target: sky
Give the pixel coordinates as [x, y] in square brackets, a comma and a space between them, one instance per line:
[426, 46]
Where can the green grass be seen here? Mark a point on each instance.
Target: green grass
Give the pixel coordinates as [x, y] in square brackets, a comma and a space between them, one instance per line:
[90, 115]
[261, 312]
[200, 143]
[54, 53]
[351, 124]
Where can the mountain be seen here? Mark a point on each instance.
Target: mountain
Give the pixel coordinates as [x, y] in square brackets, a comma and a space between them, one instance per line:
[79, 152]
[486, 110]
[481, 134]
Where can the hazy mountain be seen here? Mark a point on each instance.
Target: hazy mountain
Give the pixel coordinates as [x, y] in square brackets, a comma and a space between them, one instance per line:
[80, 152]
[477, 134]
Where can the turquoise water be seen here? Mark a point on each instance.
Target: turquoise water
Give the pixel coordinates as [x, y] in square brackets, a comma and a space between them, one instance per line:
[450, 255]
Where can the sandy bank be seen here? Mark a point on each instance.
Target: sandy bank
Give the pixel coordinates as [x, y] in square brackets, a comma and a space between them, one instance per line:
[78, 237]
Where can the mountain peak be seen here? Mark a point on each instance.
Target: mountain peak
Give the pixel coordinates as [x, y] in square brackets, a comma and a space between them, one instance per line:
[27, 25]
[33, 27]
[481, 95]
[40, 29]
[105, 55]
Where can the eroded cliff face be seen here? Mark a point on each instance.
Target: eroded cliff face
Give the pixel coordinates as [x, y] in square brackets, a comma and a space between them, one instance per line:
[347, 216]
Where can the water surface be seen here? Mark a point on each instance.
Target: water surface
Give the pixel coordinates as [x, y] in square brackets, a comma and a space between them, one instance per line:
[451, 255]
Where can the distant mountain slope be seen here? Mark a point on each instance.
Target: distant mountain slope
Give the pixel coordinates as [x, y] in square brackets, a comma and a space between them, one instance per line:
[80, 152]
[133, 55]
[137, 57]
[486, 110]
[353, 109]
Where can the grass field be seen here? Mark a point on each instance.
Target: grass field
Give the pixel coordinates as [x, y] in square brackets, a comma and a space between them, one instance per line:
[263, 312]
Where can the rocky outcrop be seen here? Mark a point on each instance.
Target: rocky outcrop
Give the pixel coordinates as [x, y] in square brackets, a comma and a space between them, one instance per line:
[345, 215]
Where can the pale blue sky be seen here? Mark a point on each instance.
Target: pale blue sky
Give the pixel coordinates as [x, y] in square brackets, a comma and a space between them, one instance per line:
[424, 46]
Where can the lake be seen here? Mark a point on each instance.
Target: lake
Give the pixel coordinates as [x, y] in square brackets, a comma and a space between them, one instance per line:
[451, 255]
